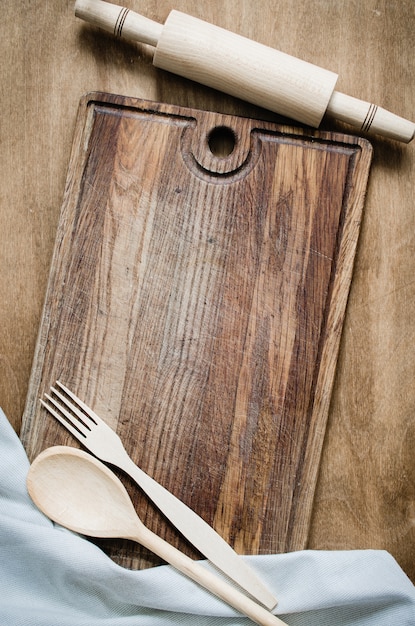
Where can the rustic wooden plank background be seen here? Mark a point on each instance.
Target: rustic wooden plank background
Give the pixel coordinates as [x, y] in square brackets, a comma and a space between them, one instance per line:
[366, 492]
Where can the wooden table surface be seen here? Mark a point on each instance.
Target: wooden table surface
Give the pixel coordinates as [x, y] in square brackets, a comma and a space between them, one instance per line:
[366, 491]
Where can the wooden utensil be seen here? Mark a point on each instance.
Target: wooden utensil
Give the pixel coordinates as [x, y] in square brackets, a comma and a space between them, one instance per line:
[79, 492]
[103, 442]
[196, 302]
[243, 68]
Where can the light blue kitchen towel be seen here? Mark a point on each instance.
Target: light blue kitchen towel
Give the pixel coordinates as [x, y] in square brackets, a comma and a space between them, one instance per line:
[50, 576]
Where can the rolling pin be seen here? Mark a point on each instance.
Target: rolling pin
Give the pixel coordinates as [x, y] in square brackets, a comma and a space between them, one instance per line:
[243, 68]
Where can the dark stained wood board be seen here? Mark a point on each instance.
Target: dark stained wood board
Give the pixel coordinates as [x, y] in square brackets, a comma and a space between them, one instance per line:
[196, 302]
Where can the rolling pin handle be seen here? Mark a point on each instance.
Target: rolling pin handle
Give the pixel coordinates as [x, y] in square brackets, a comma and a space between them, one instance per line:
[369, 118]
[119, 21]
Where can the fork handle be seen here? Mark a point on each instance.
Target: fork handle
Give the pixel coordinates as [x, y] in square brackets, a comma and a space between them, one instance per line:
[200, 534]
[205, 578]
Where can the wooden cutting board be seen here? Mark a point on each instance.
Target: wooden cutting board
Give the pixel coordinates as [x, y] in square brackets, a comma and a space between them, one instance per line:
[196, 302]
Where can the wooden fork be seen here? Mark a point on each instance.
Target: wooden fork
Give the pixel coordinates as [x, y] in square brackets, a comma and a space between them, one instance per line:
[86, 426]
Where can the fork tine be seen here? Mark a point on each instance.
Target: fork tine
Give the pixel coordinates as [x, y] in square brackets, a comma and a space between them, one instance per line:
[76, 432]
[80, 423]
[85, 419]
[95, 418]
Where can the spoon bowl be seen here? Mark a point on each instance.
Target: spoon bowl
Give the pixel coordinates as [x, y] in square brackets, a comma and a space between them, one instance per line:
[79, 492]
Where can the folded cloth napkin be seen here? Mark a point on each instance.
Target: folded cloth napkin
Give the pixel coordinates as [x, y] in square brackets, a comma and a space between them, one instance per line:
[51, 576]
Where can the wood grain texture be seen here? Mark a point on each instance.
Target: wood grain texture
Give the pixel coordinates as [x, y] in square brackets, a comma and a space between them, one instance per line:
[198, 301]
[366, 492]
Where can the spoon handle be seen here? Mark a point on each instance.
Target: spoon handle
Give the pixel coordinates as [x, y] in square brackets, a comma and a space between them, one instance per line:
[199, 533]
[205, 578]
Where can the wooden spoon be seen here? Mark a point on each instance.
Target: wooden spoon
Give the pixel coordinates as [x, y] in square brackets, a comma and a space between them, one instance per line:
[79, 492]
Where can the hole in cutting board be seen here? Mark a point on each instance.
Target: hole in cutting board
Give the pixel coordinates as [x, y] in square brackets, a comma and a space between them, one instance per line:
[221, 141]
